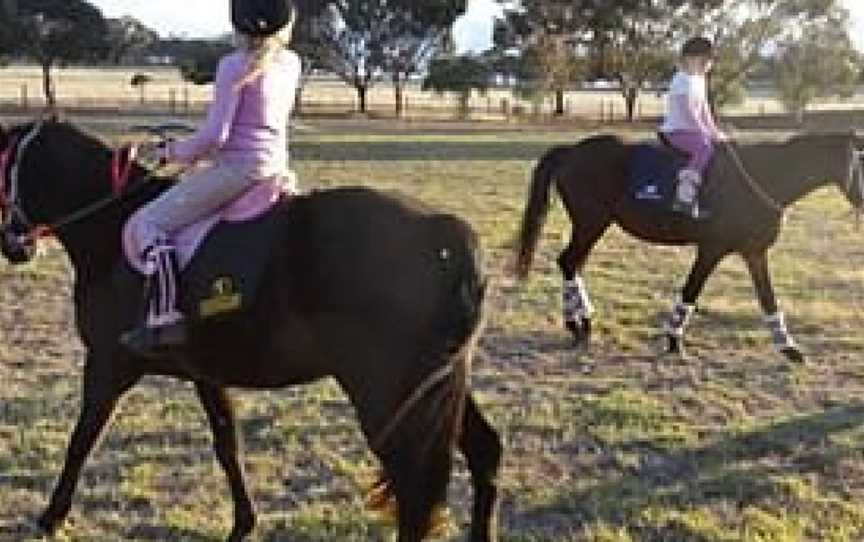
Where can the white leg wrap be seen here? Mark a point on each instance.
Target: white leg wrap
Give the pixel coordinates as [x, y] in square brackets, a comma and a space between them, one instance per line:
[779, 333]
[162, 269]
[577, 305]
[679, 318]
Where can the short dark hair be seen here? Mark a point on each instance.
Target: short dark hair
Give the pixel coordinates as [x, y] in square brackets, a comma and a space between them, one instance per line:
[697, 46]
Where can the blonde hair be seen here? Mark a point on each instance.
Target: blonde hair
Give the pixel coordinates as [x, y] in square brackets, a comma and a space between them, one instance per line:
[261, 50]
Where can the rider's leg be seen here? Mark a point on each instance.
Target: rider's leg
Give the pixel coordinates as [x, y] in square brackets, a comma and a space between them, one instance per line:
[198, 195]
[700, 148]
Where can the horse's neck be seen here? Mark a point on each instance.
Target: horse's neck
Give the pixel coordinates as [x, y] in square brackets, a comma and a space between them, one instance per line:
[94, 244]
[788, 172]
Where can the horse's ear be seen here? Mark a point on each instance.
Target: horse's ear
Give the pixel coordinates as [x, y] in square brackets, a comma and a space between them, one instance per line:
[51, 115]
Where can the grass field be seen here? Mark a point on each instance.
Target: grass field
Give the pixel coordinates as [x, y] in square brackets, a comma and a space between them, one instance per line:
[614, 444]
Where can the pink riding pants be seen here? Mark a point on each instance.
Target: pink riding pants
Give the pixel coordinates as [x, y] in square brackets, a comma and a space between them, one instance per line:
[699, 146]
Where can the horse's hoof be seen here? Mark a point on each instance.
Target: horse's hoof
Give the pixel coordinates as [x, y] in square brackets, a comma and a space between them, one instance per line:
[47, 524]
[674, 345]
[793, 354]
[581, 330]
[242, 529]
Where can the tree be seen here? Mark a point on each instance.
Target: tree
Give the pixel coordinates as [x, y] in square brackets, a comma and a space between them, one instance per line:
[545, 33]
[742, 30]
[461, 75]
[7, 29]
[57, 32]
[199, 59]
[821, 63]
[140, 81]
[127, 37]
[363, 40]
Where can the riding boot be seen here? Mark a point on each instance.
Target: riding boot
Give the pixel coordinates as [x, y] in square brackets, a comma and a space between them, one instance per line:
[686, 193]
[163, 330]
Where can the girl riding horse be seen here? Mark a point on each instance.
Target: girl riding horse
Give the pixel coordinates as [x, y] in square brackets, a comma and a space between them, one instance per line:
[244, 136]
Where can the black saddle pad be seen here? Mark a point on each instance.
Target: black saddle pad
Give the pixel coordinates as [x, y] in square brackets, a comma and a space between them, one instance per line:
[225, 275]
[653, 176]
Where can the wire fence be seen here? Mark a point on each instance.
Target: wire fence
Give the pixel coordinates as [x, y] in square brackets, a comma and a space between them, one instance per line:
[109, 90]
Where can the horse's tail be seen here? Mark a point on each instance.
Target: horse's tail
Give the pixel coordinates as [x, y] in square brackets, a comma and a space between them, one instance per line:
[437, 404]
[534, 216]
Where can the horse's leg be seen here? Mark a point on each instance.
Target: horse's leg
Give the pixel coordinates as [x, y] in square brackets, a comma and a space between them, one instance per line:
[576, 303]
[676, 323]
[220, 412]
[757, 263]
[102, 390]
[482, 449]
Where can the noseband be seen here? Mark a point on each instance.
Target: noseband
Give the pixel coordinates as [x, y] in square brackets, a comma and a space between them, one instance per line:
[10, 160]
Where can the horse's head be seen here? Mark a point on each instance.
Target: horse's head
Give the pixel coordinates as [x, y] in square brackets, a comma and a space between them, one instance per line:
[15, 243]
[43, 167]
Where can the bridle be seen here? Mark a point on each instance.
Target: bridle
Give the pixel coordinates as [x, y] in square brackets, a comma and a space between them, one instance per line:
[10, 208]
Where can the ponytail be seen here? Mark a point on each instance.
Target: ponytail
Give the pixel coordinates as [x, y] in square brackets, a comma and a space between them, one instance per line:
[261, 52]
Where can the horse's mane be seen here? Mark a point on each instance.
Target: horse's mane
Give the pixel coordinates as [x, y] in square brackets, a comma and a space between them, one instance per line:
[74, 134]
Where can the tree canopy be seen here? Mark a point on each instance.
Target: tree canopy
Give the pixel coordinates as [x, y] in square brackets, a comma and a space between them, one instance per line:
[57, 32]
[363, 40]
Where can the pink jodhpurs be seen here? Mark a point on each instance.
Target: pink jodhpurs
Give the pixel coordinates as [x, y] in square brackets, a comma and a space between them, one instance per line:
[699, 146]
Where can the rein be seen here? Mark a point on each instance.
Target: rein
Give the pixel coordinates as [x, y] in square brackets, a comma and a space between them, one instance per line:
[751, 182]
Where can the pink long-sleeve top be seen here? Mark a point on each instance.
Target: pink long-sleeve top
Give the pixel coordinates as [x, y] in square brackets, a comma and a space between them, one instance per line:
[687, 108]
[248, 123]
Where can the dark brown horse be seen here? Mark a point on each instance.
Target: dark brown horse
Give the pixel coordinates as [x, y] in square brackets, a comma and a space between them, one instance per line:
[374, 290]
[747, 192]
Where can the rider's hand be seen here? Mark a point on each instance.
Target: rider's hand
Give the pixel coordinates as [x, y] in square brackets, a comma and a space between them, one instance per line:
[153, 153]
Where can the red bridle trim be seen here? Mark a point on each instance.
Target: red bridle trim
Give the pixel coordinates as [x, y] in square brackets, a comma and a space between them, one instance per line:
[121, 167]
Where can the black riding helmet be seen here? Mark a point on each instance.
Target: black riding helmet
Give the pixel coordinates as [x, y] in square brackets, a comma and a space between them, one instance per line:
[261, 18]
[698, 46]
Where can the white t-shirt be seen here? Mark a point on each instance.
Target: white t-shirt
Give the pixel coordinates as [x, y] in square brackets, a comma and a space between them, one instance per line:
[687, 96]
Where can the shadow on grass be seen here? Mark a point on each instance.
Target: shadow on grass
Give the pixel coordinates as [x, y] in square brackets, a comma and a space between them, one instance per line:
[417, 150]
[740, 469]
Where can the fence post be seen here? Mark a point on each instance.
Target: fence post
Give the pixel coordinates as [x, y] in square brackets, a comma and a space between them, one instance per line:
[186, 99]
[24, 98]
[172, 100]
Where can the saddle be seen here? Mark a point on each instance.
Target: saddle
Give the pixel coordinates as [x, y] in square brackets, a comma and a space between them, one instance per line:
[222, 257]
[653, 174]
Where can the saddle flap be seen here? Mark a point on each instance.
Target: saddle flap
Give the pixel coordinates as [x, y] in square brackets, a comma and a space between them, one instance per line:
[653, 175]
[226, 273]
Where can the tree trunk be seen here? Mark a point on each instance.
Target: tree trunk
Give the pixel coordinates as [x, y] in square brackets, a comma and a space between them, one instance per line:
[464, 104]
[361, 97]
[399, 88]
[799, 114]
[48, 85]
[630, 96]
[298, 98]
[559, 103]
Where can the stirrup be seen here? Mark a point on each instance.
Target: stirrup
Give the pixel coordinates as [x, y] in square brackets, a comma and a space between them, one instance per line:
[690, 209]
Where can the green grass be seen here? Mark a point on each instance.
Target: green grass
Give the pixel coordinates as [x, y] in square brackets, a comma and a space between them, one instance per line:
[616, 443]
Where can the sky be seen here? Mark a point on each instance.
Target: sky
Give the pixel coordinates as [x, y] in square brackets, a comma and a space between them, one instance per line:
[195, 18]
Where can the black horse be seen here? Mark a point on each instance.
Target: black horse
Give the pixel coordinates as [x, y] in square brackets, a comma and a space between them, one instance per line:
[374, 290]
[747, 192]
